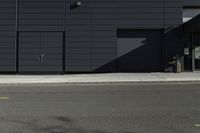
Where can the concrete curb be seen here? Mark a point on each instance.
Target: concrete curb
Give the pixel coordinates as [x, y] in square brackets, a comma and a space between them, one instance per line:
[100, 78]
[98, 83]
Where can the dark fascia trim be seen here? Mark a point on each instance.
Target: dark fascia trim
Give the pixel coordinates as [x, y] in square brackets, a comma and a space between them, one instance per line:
[192, 7]
[140, 27]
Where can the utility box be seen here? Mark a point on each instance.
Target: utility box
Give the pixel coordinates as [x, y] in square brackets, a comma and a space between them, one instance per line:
[178, 67]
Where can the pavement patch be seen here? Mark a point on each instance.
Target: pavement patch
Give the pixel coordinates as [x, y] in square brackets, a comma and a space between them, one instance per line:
[4, 98]
[197, 125]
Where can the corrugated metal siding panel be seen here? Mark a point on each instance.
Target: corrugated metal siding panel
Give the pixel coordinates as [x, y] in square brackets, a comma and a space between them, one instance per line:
[41, 15]
[7, 35]
[173, 13]
[91, 28]
[191, 3]
[78, 36]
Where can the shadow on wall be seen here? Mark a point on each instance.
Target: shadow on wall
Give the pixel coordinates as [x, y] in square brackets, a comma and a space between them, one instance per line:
[140, 52]
[174, 47]
[45, 125]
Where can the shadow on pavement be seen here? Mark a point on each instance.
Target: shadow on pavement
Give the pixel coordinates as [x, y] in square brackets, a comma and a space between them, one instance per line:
[45, 125]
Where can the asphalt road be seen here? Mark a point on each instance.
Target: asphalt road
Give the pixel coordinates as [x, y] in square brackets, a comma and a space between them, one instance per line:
[101, 108]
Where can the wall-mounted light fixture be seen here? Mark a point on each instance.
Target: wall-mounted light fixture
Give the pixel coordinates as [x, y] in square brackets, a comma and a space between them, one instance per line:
[76, 5]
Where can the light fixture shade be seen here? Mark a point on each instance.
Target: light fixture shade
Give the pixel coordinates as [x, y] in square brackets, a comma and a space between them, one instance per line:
[76, 4]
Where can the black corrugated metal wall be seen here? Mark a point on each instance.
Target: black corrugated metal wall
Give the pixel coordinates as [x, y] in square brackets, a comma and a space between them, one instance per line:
[91, 29]
[7, 35]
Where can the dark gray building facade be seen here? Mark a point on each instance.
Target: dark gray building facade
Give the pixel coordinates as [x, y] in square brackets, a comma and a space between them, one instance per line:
[69, 36]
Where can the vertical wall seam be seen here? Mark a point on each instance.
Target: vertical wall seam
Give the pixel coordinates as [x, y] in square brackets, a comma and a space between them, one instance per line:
[16, 35]
[163, 12]
[164, 42]
[91, 35]
[65, 37]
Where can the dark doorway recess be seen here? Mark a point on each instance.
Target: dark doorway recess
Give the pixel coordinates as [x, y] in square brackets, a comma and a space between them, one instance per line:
[40, 52]
[139, 50]
[197, 51]
[192, 52]
[188, 52]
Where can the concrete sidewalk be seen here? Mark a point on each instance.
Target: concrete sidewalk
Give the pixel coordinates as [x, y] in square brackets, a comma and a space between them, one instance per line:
[101, 78]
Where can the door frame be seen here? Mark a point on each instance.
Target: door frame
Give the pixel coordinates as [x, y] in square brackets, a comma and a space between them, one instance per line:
[193, 51]
[191, 41]
[47, 72]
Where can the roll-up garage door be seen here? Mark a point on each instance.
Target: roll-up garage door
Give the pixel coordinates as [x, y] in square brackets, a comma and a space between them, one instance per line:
[139, 50]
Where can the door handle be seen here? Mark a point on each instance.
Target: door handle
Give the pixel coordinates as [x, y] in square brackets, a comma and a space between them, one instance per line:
[38, 59]
[42, 58]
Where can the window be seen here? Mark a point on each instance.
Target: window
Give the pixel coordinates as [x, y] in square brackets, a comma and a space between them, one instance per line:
[190, 13]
